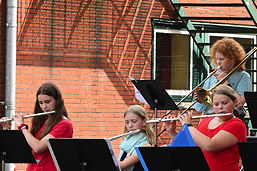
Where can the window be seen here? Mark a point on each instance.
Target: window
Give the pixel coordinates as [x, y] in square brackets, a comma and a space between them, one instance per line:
[176, 61]
[172, 60]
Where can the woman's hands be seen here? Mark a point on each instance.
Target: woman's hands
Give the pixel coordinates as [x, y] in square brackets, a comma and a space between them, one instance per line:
[185, 118]
[220, 75]
[6, 125]
[18, 118]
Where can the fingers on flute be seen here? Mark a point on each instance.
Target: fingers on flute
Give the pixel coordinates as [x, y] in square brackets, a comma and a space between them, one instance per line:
[4, 119]
[170, 117]
[182, 118]
[18, 115]
[189, 114]
[167, 117]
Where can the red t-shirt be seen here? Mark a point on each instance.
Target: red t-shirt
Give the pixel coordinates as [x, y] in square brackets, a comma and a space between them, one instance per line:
[62, 129]
[227, 159]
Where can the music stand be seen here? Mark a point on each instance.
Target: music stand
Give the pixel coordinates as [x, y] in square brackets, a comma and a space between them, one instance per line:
[251, 101]
[172, 158]
[155, 95]
[82, 154]
[248, 151]
[14, 148]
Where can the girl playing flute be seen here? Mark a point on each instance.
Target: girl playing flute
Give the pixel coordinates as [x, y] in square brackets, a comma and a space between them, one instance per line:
[135, 118]
[217, 136]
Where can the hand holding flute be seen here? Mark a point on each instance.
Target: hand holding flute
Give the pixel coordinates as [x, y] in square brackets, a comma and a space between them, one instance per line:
[19, 119]
[5, 123]
[6, 119]
[56, 125]
[170, 122]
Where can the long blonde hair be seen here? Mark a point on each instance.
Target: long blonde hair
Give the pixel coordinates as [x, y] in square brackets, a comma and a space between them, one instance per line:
[141, 112]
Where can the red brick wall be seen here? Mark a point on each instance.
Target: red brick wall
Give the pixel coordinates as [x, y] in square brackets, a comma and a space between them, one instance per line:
[89, 50]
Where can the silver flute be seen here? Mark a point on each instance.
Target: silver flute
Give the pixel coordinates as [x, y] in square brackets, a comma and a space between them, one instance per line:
[193, 117]
[125, 134]
[28, 116]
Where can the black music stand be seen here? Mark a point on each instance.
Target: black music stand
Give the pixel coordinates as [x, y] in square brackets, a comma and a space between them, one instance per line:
[251, 101]
[155, 95]
[172, 158]
[248, 151]
[14, 148]
[82, 154]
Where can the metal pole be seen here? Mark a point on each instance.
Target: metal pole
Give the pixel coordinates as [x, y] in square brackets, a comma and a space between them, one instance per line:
[10, 78]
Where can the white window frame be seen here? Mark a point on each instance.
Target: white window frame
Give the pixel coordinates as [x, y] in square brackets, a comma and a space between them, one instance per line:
[173, 31]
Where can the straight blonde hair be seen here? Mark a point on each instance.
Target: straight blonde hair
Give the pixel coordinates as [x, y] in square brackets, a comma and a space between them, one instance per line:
[141, 112]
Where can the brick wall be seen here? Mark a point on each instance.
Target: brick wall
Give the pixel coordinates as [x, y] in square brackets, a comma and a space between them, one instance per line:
[88, 49]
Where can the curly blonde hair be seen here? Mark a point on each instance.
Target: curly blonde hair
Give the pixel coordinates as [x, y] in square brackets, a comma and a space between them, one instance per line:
[230, 49]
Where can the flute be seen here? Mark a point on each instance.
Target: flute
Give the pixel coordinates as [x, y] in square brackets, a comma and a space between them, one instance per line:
[125, 134]
[193, 117]
[28, 116]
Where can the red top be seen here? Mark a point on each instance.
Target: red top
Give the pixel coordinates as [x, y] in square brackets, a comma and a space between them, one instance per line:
[227, 159]
[62, 129]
